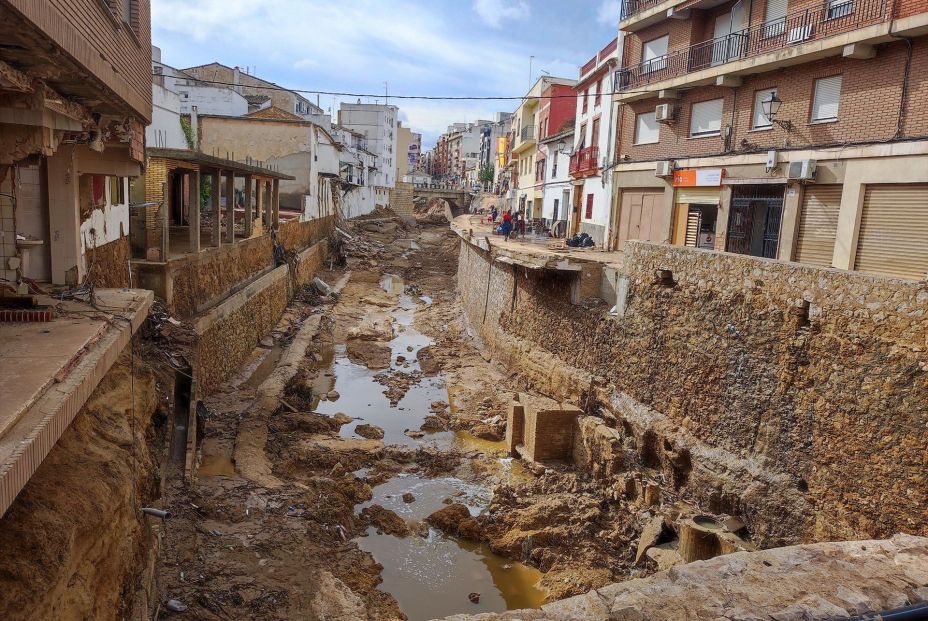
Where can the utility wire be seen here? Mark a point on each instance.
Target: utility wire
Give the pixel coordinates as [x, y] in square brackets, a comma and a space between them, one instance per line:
[380, 96]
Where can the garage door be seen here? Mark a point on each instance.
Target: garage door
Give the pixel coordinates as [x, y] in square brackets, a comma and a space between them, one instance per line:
[818, 224]
[893, 238]
[639, 216]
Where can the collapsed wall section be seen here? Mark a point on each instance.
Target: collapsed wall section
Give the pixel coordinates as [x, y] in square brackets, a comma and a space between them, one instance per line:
[798, 393]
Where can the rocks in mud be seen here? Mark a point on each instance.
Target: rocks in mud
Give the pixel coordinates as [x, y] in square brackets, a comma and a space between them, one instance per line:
[650, 536]
[415, 435]
[474, 597]
[493, 433]
[371, 354]
[371, 432]
[341, 418]
[434, 423]
[455, 519]
[385, 521]
[398, 384]
[427, 361]
[304, 422]
[332, 395]
[408, 497]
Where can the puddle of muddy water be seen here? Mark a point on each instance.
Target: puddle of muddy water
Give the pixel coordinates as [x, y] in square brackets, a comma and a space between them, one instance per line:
[431, 577]
[265, 367]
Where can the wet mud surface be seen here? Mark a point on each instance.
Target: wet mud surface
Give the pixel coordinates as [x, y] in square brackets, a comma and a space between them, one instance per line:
[354, 468]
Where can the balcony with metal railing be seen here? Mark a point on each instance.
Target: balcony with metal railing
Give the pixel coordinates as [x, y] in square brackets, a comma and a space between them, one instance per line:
[527, 134]
[584, 162]
[835, 17]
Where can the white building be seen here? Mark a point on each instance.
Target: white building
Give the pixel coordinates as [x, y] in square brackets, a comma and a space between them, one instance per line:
[593, 151]
[377, 123]
[207, 98]
[356, 169]
[556, 181]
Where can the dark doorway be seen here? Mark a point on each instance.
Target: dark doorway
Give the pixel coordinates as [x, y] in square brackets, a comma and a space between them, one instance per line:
[754, 220]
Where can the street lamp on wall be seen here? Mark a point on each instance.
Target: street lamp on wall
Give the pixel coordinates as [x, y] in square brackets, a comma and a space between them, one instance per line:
[770, 107]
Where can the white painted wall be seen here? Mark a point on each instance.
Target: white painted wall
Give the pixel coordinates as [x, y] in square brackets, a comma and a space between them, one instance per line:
[106, 224]
[378, 124]
[556, 184]
[211, 100]
[165, 131]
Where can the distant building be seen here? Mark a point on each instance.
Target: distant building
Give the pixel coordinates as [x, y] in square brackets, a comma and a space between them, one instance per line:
[378, 124]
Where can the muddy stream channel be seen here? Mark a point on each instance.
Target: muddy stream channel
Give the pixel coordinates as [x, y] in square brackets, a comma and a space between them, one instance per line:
[429, 576]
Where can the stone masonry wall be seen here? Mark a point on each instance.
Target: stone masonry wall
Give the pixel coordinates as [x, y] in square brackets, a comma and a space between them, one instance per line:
[797, 393]
[401, 199]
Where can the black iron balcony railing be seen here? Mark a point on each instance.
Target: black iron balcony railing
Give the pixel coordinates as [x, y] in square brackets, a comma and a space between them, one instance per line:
[528, 133]
[630, 7]
[834, 18]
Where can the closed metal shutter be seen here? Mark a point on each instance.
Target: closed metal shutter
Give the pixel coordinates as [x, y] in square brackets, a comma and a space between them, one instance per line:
[703, 196]
[818, 224]
[893, 238]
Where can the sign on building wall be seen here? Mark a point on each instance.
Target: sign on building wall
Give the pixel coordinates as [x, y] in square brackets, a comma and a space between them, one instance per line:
[501, 146]
[414, 153]
[698, 177]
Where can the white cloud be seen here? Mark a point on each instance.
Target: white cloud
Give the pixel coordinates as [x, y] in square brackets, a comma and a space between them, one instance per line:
[494, 12]
[609, 12]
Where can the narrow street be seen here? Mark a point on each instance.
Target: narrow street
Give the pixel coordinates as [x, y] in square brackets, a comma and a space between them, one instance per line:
[326, 455]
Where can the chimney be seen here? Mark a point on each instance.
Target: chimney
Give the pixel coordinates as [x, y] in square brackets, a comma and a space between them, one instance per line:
[195, 128]
[237, 80]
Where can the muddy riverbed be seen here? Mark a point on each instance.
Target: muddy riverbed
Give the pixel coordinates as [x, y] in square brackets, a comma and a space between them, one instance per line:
[324, 458]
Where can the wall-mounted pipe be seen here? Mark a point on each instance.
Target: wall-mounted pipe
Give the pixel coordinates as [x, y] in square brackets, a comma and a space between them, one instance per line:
[158, 513]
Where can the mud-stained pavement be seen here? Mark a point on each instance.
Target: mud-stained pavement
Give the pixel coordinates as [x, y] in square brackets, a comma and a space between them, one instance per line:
[354, 468]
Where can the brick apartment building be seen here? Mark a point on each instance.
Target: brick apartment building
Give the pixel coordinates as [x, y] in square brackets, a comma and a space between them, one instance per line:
[786, 129]
[75, 78]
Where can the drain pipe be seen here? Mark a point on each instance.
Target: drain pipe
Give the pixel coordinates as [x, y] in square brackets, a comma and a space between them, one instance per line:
[158, 513]
[913, 612]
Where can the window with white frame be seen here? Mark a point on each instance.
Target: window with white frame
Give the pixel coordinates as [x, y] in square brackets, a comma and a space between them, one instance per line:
[647, 131]
[706, 118]
[825, 99]
[760, 120]
[654, 55]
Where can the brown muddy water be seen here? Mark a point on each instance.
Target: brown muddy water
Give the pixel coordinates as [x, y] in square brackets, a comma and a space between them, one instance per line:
[429, 576]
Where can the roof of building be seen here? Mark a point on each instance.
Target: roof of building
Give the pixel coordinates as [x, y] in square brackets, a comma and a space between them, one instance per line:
[186, 155]
[567, 131]
[274, 112]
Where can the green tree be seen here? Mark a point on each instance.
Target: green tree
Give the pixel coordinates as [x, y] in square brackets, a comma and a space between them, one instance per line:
[487, 175]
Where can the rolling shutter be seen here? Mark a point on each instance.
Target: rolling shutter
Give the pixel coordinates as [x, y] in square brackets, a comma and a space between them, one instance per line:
[706, 118]
[827, 98]
[893, 239]
[818, 224]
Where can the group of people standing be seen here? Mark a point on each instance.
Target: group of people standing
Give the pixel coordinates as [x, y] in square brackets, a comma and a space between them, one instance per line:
[511, 226]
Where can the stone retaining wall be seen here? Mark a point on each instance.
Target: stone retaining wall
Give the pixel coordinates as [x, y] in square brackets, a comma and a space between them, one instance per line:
[797, 394]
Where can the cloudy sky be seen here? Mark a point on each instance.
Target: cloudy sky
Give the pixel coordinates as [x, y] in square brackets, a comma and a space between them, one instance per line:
[437, 47]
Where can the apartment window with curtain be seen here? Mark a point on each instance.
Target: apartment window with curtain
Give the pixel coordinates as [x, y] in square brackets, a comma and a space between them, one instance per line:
[598, 95]
[759, 120]
[594, 134]
[586, 96]
[825, 99]
[647, 130]
[583, 135]
[706, 118]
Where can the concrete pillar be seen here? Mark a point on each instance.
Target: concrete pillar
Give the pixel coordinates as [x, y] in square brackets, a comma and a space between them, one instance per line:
[230, 207]
[214, 193]
[275, 203]
[167, 193]
[849, 214]
[249, 184]
[789, 227]
[193, 215]
[259, 204]
[64, 219]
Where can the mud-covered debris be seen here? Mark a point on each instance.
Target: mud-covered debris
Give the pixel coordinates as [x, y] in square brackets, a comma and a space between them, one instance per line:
[332, 395]
[321, 287]
[341, 418]
[408, 497]
[455, 519]
[415, 435]
[493, 433]
[474, 597]
[175, 605]
[385, 521]
[433, 423]
[371, 432]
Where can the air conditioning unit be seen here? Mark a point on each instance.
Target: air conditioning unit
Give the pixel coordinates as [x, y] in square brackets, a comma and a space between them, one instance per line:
[664, 169]
[664, 113]
[802, 170]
